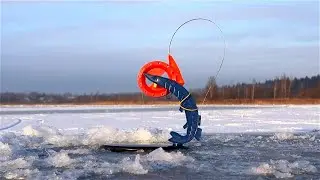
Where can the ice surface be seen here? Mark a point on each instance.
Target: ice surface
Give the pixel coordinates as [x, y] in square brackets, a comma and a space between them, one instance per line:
[62, 142]
[284, 169]
[216, 119]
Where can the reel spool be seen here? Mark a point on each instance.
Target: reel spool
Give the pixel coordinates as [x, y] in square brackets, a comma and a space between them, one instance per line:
[159, 68]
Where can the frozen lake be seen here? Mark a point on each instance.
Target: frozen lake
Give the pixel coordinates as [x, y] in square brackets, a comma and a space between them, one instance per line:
[239, 142]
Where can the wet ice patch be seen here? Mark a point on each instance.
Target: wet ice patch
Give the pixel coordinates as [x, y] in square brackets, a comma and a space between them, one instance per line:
[284, 169]
[69, 174]
[76, 151]
[207, 154]
[227, 138]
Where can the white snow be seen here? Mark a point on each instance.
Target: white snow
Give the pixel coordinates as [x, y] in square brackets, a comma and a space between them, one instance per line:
[60, 160]
[5, 151]
[281, 118]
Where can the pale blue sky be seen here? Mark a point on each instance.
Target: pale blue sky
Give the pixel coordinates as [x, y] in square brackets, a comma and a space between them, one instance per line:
[100, 46]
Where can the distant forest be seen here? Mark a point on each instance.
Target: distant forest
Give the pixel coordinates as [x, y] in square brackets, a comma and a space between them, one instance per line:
[278, 88]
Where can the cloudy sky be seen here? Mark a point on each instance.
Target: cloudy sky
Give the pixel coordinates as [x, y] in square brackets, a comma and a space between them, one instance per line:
[100, 46]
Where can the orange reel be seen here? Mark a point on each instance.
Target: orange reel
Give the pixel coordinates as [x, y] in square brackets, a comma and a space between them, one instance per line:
[158, 68]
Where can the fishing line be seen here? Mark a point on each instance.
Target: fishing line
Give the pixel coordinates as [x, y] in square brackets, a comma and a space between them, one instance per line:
[224, 51]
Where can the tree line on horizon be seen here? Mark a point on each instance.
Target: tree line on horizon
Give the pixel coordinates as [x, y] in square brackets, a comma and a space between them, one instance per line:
[282, 87]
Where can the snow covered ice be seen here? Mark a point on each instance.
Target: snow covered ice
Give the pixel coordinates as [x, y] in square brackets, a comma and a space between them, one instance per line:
[239, 142]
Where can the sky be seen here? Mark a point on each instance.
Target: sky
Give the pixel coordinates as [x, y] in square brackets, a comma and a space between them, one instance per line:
[100, 46]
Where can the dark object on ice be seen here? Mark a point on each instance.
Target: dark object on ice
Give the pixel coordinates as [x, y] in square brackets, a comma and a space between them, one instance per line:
[141, 147]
